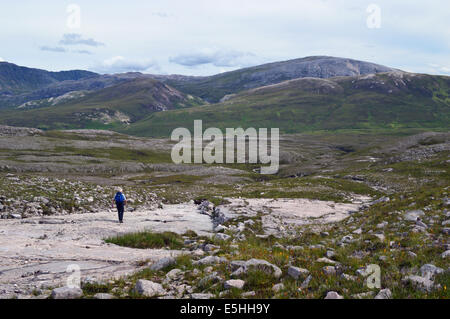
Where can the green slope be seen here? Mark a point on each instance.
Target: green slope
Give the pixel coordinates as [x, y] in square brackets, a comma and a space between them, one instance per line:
[107, 108]
[16, 79]
[214, 88]
[383, 101]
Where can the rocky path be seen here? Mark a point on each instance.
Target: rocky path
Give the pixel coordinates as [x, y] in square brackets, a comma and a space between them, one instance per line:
[35, 252]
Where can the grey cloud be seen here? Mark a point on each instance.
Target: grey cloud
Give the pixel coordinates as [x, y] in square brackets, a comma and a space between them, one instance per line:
[75, 39]
[83, 52]
[219, 58]
[53, 49]
[120, 64]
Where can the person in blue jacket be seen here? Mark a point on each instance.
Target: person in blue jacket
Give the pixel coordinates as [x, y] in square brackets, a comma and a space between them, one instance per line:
[121, 201]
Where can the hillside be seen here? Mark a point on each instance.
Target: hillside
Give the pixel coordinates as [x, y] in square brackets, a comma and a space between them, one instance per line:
[216, 87]
[122, 103]
[382, 101]
[16, 79]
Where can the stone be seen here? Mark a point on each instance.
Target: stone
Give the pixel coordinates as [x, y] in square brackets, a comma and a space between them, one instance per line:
[325, 260]
[234, 283]
[330, 254]
[382, 225]
[16, 216]
[296, 272]
[421, 224]
[220, 229]
[347, 239]
[421, 283]
[103, 296]
[445, 254]
[380, 237]
[364, 295]
[446, 231]
[163, 263]
[349, 277]
[357, 231]
[277, 287]
[211, 260]
[223, 237]
[149, 288]
[248, 294]
[429, 270]
[412, 215]
[384, 294]
[333, 295]
[201, 296]
[174, 274]
[329, 270]
[263, 265]
[305, 284]
[66, 293]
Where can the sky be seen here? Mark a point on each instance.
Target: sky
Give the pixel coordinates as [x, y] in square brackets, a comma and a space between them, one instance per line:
[204, 37]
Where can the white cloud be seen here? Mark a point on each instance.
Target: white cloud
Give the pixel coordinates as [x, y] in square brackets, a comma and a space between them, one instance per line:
[216, 57]
[1, 60]
[75, 39]
[120, 64]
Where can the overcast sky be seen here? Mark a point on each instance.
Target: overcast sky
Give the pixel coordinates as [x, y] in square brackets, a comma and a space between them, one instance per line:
[202, 37]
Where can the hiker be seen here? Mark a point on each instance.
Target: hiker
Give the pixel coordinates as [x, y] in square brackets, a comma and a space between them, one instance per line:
[120, 200]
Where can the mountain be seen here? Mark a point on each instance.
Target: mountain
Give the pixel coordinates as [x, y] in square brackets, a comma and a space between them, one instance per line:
[382, 101]
[216, 87]
[303, 95]
[16, 79]
[118, 104]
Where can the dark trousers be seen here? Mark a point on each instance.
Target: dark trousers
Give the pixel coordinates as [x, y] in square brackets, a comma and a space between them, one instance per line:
[120, 210]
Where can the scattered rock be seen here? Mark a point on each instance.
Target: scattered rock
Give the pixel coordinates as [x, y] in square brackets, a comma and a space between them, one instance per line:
[333, 295]
[384, 294]
[103, 296]
[234, 283]
[66, 293]
[305, 284]
[421, 283]
[325, 260]
[149, 288]
[220, 236]
[163, 263]
[248, 294]
[445, 254]
[429, 270]
[211, 260]
[201, 296]
[296, 272]
[412, 215]
[278, 287]
[329, 270]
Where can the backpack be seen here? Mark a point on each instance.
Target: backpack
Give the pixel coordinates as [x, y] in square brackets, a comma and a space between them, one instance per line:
[119, 198]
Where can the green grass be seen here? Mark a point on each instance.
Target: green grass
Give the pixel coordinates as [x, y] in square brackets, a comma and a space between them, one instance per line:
[148, 240]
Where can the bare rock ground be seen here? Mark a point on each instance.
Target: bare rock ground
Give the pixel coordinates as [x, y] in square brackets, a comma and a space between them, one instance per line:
[35, 252]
